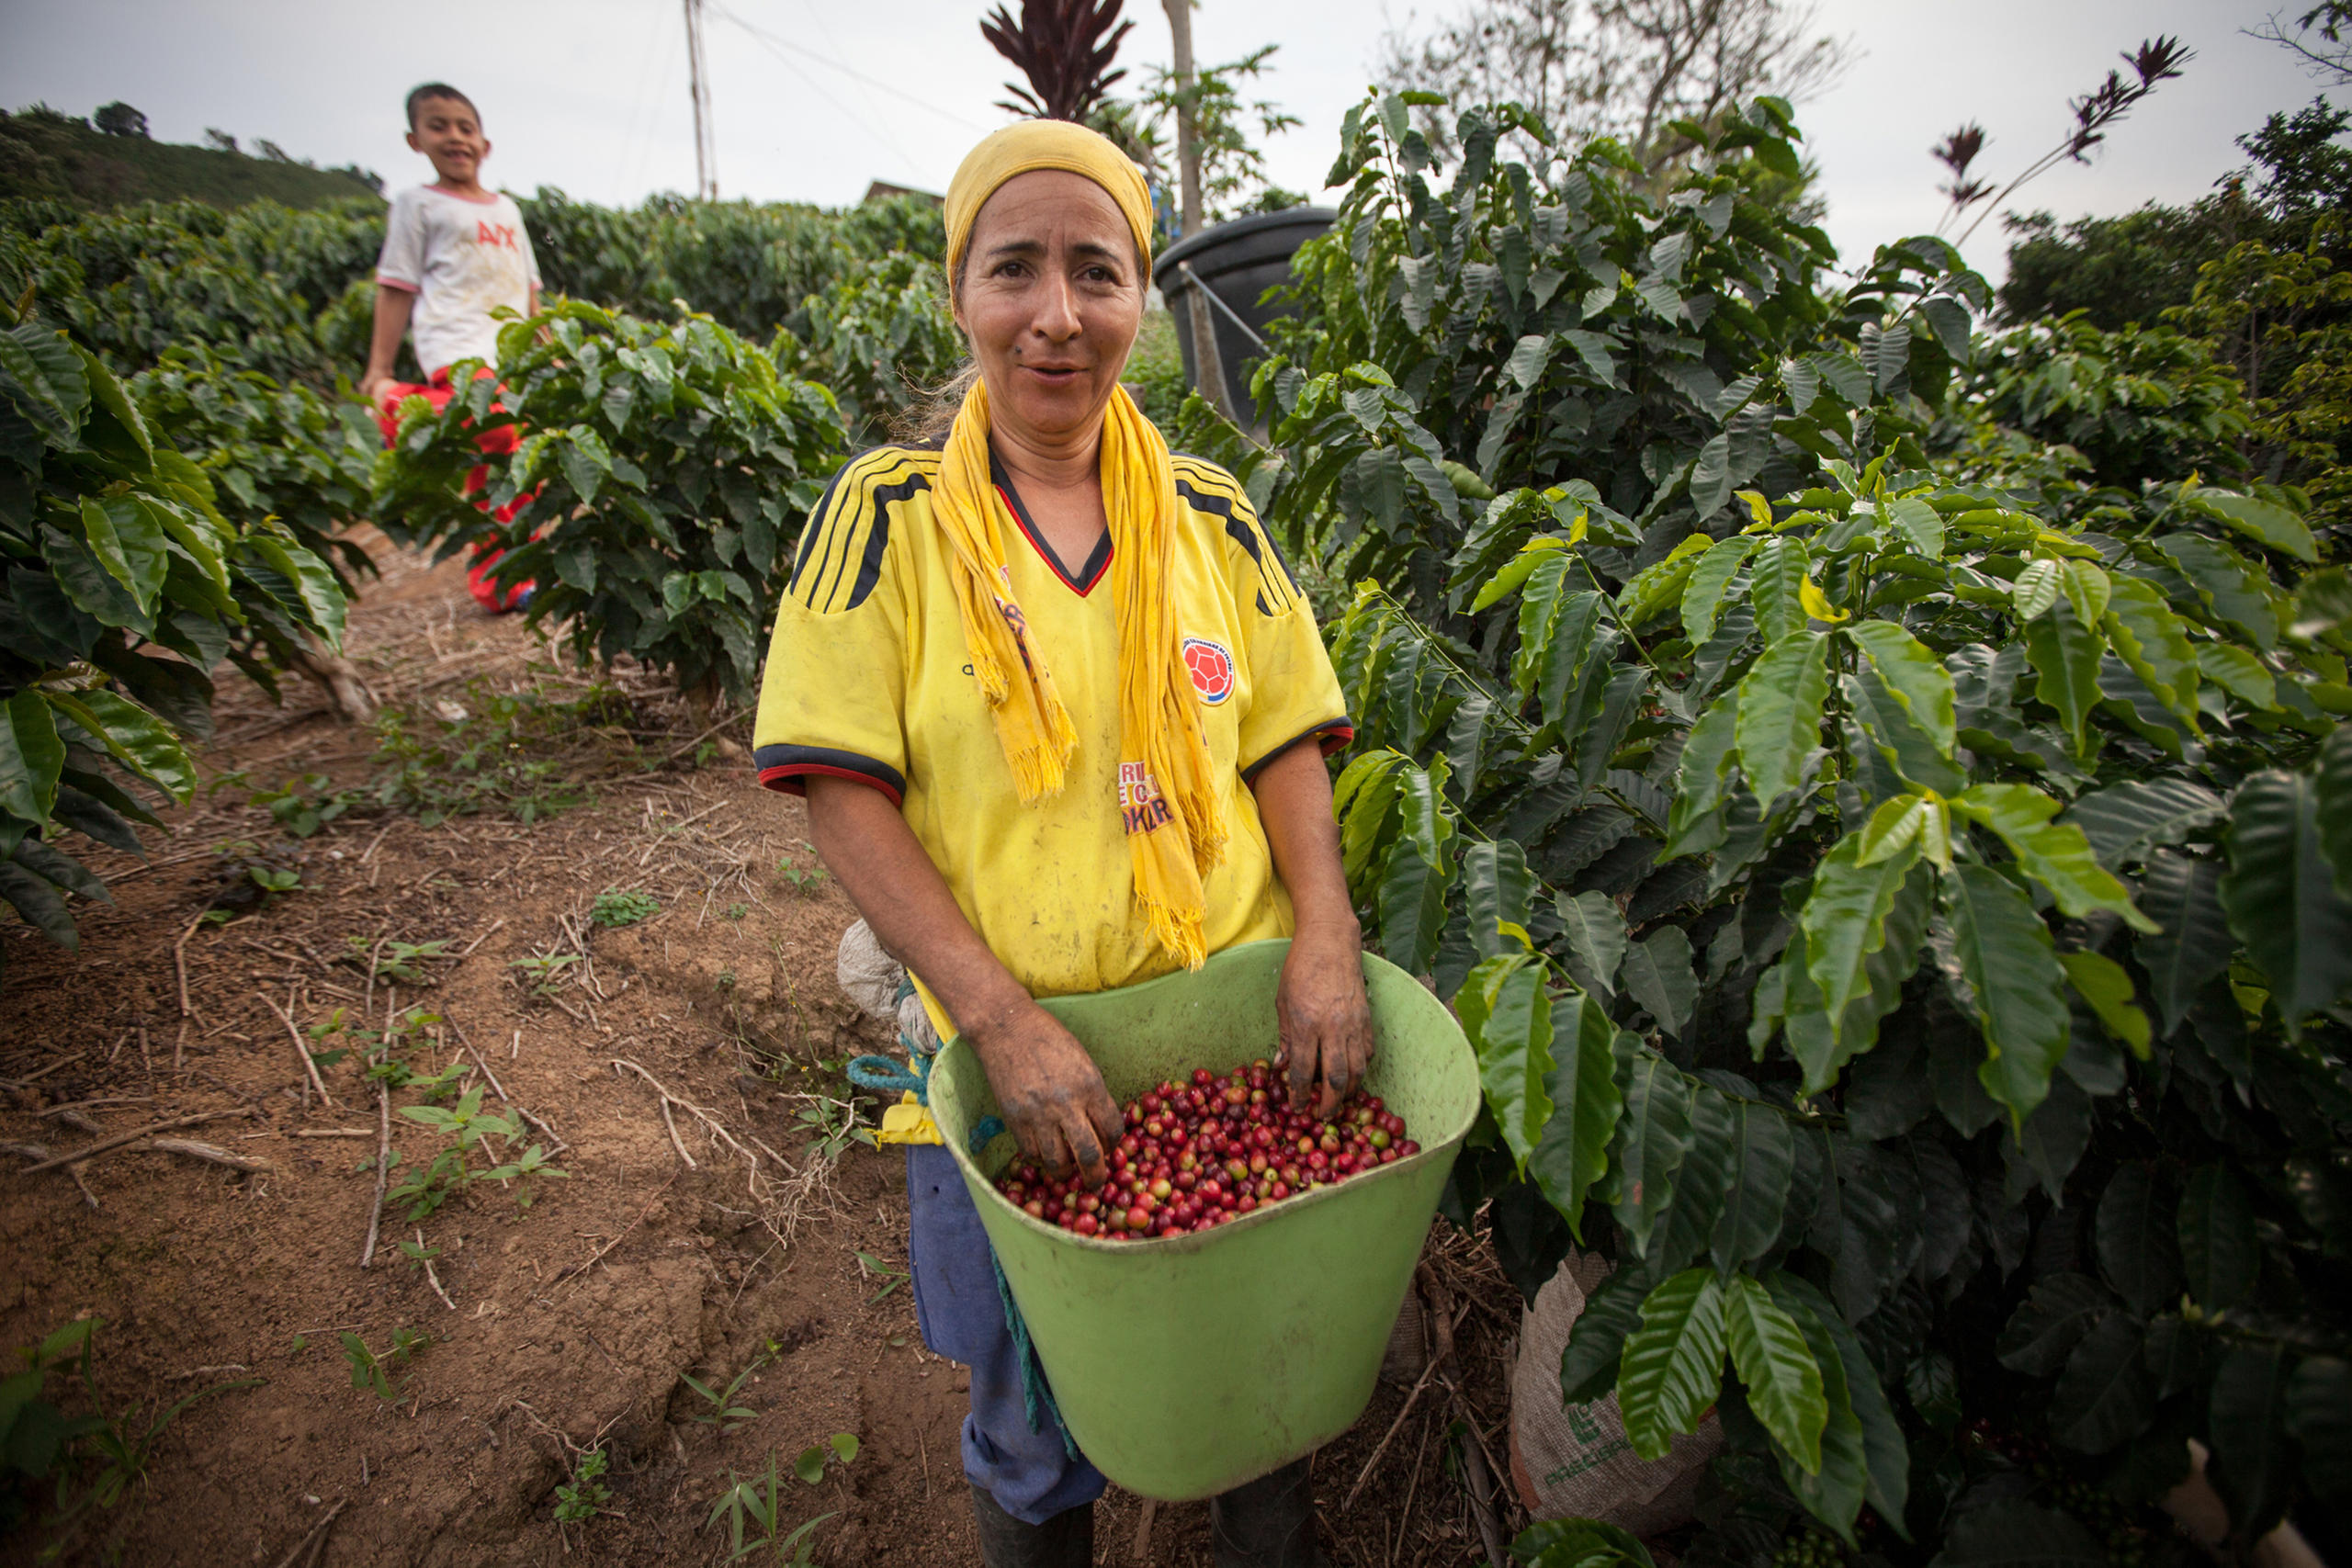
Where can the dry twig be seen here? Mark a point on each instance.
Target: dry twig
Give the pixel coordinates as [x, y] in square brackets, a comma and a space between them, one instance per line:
[309, 1066]
[383, 1169]
[109, 1144]
[431, 1278]
[211, 1152]
[303, 1551]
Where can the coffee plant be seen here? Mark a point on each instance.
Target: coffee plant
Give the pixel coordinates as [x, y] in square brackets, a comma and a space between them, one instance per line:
[666, 469]
[122, 586]
[1905, 922]
[879, 336]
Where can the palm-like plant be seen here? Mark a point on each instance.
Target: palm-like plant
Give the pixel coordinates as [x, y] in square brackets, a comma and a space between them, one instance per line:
[1061, 47]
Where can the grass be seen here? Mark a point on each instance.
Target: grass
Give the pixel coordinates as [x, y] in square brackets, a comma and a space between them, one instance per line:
[512, 751]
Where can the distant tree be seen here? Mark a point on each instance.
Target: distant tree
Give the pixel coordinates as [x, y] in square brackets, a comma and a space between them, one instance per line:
[1624, 68]
[367, 177]
[118, 118]
[220, 138]
[2317, 35]
[1233, 165]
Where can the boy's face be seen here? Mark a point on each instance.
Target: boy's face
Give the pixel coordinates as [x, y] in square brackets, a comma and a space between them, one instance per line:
[446, 132]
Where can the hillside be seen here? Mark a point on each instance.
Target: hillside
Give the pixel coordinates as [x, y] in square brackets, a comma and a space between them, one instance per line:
[45, 153]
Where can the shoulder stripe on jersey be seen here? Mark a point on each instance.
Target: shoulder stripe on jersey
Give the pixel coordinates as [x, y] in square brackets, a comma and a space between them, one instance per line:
[840, 553]
[1242, 528]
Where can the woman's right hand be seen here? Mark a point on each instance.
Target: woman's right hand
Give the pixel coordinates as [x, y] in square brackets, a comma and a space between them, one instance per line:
[1049, 1093]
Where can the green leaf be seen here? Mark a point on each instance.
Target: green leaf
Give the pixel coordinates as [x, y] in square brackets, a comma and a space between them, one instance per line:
[1672, 1370]
[134, 736]
[2103, 1399]
[1919, 525]
[1833, 1493]
[1778, 724]
[1845, 922]
[2192, 944]
[1702, 593]
[2135, 1239]
[1513, 577]
[2240, 673]
[1886, 1458]
[2036, 589]
[320, 593]
[129, 544]
[1768, 1351]
[2055, 854]
[2043, 1331]
[1574, 1151]
[1776, 586]
[37, 899]
[1594, 930]
[1496, 887]
[1693, 822]
[1578, 1543]
[2150, 638]
[2124, 821]
[1412, 909]
[1651, 1137]
[2323, 603]
[2258, 520]
[2010, 965]
[2254, 1466]
[2103, 983]
[1761, 1159]
[2281, 895]
[2218, 1250]
[810, 1464]
[1658, 976]
[1508, 1016]
[1915, 676]
[31, 757]
[1595, 1350]
[2065, 654]
[2224, 581]
[2332, 787]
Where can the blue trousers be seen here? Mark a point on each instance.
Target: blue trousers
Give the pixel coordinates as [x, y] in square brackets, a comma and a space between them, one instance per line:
[1032, 1473]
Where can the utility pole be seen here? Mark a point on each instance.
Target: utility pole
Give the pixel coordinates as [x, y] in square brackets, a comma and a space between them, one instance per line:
[706, 152]
[1208, 368]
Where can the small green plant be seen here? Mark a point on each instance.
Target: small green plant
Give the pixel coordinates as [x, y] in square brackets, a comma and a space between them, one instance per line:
[584, 1496]
[832, 1125]
[272, 881]
[755, 1515]
[372, 1373]
[453, 1170]
[518, 752]
[736, 911]
[840, 1447]
[95, 1458]
[891, 1278]
[803, 881]
[303, 805]
[418, 1254]
[388, 1053]
[541, 972]
[615, 909]
[397, 960]
[723, 1412]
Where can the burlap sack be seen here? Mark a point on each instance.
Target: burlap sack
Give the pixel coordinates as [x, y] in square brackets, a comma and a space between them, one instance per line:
[871, 978]
[1575, 1462]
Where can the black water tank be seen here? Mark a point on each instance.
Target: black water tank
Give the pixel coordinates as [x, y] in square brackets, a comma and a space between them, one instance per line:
[1238, 262]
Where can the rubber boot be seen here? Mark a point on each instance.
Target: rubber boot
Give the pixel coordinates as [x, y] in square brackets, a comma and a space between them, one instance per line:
[1267, 1523]
[1066, 1540]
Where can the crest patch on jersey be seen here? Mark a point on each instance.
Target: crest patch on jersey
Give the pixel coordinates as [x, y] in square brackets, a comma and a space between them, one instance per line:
[1211, 668]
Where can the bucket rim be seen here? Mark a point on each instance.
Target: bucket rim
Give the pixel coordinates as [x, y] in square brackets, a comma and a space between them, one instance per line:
[1296, 1203]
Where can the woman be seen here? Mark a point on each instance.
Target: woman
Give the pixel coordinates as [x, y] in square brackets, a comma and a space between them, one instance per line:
[1060, 713]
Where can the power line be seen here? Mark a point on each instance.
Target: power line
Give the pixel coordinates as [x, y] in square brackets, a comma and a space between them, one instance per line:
[769, 43]
[831, 63]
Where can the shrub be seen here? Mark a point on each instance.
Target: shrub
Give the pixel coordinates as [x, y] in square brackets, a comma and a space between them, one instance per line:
[879, 336]
[668, 469]
[1907, 938]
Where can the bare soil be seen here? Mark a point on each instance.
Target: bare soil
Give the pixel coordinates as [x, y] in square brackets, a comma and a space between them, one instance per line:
[690, 1243]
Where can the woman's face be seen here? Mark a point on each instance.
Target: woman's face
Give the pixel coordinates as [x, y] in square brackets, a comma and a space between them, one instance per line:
[1051, 299]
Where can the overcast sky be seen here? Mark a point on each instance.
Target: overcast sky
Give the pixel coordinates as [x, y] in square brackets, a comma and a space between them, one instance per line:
[813, 98]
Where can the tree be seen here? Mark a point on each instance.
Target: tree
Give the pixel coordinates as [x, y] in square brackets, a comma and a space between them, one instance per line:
[118, 118]
[1628, 69]
[220, 140]
[2317, 35]
[1231, 169]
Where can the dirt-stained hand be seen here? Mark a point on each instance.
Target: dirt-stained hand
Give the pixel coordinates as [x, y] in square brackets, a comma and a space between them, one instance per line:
[1322, 1016]
[1049, 1093]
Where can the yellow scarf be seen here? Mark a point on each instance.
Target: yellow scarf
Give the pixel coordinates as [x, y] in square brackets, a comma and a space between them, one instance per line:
[1166, 783]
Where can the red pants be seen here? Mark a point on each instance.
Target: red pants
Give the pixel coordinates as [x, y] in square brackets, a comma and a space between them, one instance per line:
[493, 443]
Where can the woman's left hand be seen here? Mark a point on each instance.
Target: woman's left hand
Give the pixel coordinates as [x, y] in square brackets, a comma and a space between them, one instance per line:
[1322, 1016]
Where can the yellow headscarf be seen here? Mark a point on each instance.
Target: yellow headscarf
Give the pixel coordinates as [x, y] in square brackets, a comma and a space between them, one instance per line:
[1167, 792]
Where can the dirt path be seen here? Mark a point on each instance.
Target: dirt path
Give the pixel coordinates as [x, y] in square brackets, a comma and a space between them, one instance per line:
[696, 1243]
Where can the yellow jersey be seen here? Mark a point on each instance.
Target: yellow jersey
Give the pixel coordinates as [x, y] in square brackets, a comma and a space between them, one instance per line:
[868, 678]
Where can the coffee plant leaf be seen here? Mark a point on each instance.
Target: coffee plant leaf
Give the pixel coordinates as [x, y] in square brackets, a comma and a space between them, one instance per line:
[2010, 968]
[2218, 1250]
[2282, 896]
[1770, 1353]
[1573, 1152]
[1760, 1163]
[1672, 1365]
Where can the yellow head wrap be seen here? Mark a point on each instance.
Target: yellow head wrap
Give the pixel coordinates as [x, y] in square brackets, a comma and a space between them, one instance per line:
[1167, 789]
[1032, 144]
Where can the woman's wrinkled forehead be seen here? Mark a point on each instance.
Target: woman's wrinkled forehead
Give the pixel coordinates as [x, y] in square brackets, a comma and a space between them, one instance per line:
[1031, 210]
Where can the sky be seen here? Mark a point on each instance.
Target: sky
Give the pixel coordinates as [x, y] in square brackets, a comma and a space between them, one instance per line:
[813, 98]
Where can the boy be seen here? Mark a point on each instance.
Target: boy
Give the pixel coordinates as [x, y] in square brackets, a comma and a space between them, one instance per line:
[453, 253]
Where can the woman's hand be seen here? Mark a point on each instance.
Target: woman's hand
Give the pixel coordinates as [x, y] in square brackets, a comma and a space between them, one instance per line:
[1049, 1092]
[1322, 1015]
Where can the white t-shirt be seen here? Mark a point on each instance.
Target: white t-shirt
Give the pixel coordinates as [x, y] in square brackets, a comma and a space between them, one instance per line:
[463, 259]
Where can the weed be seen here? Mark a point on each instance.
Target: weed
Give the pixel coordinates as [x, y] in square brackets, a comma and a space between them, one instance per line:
[389, 1051]
[585, 1497]
[397, 960]
[452, 1170]
[803, 882]
[736, 911]
[418, 1254]
[723, 1412]
[39, 1439]
[755, 1516]
[834, 1125]
[512, 751]
[303, 805]
[274, 880]
[810, 1465]
[371, 1371]
[891, 1278]
[543, 970]
[615, 909]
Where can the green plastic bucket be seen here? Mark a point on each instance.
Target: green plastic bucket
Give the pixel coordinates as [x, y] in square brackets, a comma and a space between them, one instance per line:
[1187, 1365]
